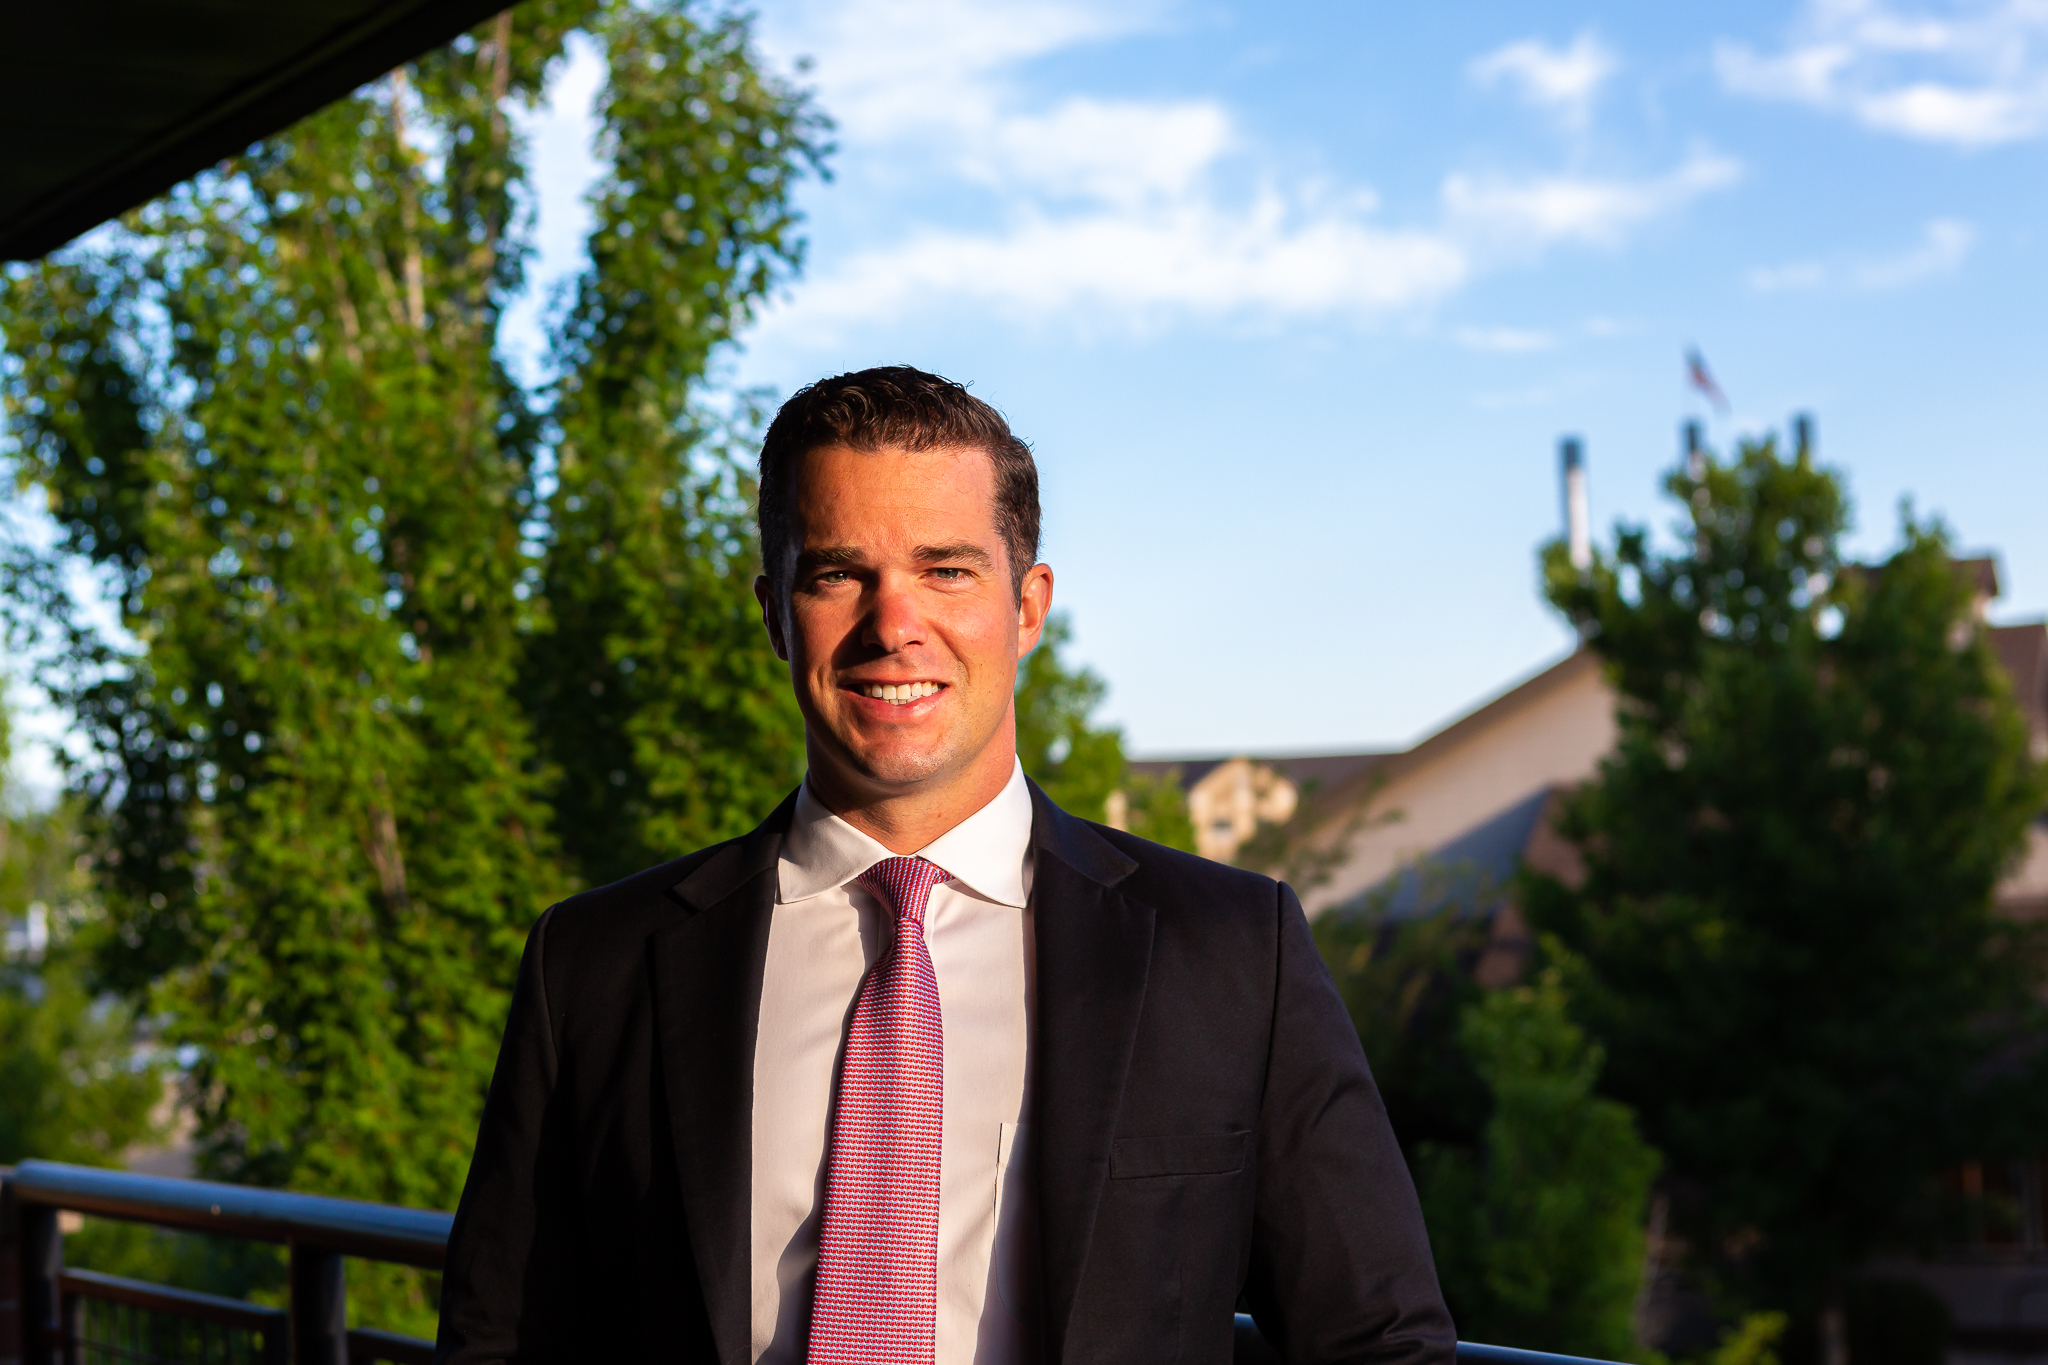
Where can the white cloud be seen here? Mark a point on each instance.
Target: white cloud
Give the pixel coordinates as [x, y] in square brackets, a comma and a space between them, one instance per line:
[1944, 245]
[1505, 340]
[1196, 257]
[1562, 80]
[1971, 73]
[1119, 151]
[889, 69]
[1535, 211]
[1130, 213]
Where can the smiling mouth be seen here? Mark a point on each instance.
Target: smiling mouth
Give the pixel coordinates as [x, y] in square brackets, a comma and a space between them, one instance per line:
[900, 694]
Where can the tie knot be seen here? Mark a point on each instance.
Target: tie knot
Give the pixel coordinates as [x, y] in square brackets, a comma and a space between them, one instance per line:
[904, 884]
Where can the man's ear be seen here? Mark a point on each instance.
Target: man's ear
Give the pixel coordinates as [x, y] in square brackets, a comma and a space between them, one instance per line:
[1034, 604]
[771, 615]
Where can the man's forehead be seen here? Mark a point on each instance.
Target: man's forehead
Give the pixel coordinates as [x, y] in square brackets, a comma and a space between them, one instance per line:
[893, 461]
[843, 485]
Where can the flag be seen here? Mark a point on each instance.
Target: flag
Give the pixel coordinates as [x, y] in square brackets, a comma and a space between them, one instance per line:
[1701, 378]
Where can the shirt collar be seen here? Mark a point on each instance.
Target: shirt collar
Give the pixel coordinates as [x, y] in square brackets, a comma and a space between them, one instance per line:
[989, 851]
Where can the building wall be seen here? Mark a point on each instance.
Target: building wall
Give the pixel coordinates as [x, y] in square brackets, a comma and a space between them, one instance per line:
[1504, 758]
[1227, 803]
[2024, 892]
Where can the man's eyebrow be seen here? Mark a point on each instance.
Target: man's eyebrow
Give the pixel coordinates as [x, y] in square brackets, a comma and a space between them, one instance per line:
[965, 552]
[829, 557]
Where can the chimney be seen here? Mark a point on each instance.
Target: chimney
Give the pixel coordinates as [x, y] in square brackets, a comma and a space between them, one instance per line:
[1578, 516]
[1802, 436]
[1696, 469]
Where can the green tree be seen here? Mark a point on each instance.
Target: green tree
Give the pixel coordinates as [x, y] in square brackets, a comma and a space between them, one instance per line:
[653, 690]
[1538, 1234]
[337, 765]
[273, 414]
[1156, 808]
[1407, 982]
[1079, 763]
[74, 1082]
[1786, 939]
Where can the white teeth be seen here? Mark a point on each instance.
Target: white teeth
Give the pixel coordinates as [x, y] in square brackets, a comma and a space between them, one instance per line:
[899, 693]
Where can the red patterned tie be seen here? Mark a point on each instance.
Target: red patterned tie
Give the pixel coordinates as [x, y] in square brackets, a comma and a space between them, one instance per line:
[876, 1296]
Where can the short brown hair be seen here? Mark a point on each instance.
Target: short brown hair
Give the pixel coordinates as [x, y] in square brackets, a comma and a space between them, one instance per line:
[895, 405]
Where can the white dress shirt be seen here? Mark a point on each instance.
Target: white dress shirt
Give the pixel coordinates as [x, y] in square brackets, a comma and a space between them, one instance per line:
[825, 933]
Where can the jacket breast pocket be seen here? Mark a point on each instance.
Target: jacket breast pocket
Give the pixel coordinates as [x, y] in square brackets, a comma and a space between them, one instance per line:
[1137, 1158]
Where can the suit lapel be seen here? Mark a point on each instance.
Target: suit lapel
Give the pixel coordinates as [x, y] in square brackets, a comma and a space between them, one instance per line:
[1094, 950]
[707, 987]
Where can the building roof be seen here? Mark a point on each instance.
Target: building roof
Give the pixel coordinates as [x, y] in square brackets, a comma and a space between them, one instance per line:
[107, 105]
[1318, 772]
[1333, 782]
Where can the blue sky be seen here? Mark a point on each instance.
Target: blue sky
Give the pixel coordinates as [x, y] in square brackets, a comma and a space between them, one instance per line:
[1295, 300]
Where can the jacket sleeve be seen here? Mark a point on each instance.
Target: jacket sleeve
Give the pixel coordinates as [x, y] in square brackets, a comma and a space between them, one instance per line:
[1340, 1267]
[511, 1264]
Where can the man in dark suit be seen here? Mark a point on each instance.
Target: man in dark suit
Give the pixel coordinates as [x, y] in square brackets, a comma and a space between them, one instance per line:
[925, 1069]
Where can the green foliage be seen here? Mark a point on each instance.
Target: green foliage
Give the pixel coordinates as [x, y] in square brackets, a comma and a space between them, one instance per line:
[1532, 1185]
[324, 822]
[1539, 1234]
[403, 655]
[1080, 764]
[1156, 808]
[73, 1084]
[1752, 1341]
[653, 690]
[232, 1266]
[1786, 939]
[1077, 763]
[1407, 983]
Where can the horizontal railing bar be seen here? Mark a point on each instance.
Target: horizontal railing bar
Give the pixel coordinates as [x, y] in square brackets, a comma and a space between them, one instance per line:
[353, 1227]
[1473, 1353]
[1253, 1349]
[371, 1343]
[184, 1303]
[384, 1232]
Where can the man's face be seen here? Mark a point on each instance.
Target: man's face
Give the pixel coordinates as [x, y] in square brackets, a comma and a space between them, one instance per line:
[902, 629]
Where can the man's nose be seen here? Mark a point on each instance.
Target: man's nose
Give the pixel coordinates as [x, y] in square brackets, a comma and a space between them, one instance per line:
[895, 619]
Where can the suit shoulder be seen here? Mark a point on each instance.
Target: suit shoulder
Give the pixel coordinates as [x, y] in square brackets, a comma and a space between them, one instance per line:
[629, 908]
[1173, 871]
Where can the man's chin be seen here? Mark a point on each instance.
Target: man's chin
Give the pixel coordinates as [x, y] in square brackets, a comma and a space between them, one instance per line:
[900, 762]
[903, 769]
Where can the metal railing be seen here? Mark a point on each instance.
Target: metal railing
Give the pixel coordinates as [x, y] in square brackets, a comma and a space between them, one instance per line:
[1252, 1349]
[77, 1317]
[80, 1317]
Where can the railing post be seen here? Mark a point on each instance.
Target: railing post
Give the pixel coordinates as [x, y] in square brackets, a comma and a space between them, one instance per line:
[10, 1272]
[73, 1312]
[42, 1260]
[319, 1307]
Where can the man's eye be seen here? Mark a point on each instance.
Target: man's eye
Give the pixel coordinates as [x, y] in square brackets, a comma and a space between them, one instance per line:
[951, 575]
[832, 576]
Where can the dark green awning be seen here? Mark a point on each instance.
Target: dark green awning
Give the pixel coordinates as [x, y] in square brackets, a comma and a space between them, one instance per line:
[105, 104]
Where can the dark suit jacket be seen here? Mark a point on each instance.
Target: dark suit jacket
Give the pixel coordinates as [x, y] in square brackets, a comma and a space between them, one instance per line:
[1206, 1125]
